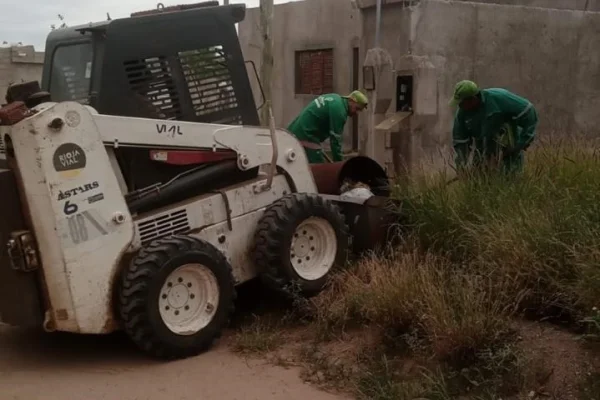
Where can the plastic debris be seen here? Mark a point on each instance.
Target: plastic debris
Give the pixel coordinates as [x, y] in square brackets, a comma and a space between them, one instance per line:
[357, 193]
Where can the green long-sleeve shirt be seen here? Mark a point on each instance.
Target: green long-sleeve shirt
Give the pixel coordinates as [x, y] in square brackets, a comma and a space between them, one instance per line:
[324, 118]
[479, 127]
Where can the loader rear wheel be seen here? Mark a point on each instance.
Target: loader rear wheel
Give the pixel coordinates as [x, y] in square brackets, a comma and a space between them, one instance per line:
[176, 297]
[301, 238]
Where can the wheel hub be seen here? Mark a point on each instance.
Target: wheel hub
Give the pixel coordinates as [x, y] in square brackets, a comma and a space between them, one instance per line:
[178, 296]
[302, 247]
[188, 299]
[313, 248]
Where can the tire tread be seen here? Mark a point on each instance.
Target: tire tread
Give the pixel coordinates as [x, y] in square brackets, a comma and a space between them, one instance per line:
[133, 294]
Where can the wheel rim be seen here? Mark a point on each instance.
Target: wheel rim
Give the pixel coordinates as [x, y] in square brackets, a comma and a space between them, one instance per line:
[189, 299]
[313, 249]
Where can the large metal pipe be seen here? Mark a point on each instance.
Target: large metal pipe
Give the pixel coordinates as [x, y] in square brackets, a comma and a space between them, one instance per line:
[329, 177]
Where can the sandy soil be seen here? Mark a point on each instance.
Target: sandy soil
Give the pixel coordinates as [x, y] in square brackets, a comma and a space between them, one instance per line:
[34, 365]
[564, 360]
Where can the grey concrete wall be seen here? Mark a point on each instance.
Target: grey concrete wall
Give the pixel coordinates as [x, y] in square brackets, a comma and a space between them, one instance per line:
[582, 5]
[550, 56]
[310, 24]
[18, 64]
[547, 51]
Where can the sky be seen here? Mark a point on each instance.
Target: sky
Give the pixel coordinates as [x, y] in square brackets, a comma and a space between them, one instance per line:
[29, 21]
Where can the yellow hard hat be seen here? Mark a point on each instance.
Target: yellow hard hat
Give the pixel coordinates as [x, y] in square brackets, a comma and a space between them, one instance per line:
[358, 97]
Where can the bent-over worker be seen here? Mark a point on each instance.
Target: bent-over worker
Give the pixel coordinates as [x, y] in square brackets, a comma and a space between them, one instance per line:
[494, 123]
[324, 118]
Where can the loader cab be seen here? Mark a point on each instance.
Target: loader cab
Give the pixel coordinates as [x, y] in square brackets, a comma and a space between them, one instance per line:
[184, 64]
[175, 63]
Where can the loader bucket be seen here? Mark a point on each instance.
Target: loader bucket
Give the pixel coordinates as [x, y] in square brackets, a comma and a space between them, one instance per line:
[375, 223]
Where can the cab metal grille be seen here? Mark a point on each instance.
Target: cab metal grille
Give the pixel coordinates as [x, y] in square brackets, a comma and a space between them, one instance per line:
[210, 85]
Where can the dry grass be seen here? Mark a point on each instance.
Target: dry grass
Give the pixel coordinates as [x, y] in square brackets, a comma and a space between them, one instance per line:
[536, 234]
[260, 337]
[456, 312]
[480, 253]
[456, 327]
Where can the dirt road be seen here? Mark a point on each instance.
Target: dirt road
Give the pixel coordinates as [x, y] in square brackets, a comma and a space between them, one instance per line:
[35, 366]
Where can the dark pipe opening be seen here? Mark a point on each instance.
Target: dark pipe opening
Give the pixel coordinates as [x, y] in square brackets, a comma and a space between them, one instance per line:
[329, 177]
[366, 170]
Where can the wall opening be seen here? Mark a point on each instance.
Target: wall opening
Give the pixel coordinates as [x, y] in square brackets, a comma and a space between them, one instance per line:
[314, 71]
[404, 93]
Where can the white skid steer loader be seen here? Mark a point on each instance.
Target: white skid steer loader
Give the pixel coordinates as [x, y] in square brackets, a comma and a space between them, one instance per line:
[138, 191]
[173, 269]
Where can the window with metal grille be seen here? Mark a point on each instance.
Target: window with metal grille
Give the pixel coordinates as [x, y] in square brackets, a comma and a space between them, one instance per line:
[314, 71]
[210, 86]
[152, 82]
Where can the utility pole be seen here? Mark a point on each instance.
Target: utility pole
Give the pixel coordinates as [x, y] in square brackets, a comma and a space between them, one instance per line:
[266, 69]
[225, 2]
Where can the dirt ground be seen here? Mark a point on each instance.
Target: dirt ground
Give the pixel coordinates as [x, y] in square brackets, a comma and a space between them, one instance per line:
[34, 365]
[564, 361]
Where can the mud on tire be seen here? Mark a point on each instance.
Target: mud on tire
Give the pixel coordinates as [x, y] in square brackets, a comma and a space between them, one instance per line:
[167, 297]
[300, 239]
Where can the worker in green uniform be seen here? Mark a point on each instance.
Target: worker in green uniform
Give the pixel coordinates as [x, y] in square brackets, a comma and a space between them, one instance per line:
[497, 125]
[324, 118]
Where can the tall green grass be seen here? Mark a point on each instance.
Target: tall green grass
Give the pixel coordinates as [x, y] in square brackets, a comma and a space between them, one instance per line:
[537, 235]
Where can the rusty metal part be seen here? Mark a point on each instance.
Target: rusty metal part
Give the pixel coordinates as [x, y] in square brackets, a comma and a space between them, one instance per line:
[329, 177]
[13, 113]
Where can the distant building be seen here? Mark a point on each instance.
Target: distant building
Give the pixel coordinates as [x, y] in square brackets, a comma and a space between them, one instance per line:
[17, 64]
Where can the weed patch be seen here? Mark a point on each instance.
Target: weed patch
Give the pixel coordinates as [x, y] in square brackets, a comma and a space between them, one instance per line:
[535, 235]
[480, 252]
[259, 337]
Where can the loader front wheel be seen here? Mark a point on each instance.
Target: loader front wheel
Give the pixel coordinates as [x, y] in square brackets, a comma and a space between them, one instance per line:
[301, 238]
[176, 297]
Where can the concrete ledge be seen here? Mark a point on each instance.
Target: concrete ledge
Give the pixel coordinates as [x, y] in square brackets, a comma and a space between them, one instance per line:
[26, 55]
[373, 3]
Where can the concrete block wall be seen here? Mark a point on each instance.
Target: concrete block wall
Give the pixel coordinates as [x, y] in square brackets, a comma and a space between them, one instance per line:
[548, 55]
[545, 50]
[19, 63]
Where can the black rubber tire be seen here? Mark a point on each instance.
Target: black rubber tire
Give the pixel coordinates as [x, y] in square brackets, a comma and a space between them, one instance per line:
[139, 291]
[271, 252]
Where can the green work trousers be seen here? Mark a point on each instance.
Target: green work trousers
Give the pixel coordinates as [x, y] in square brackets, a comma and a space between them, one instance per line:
[513, 163]
[314, 156]
[492, 157]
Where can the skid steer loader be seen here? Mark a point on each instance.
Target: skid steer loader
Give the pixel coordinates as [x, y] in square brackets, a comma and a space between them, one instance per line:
[139, 190]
